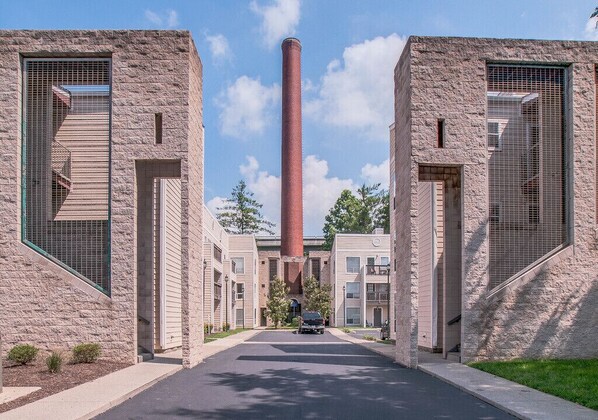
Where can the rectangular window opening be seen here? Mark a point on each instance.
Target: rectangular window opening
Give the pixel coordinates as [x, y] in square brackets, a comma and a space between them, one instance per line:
[440, 134]
[158, 127]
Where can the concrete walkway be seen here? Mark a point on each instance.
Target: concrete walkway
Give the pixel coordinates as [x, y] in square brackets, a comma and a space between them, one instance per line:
[92, 398]
[513, 398]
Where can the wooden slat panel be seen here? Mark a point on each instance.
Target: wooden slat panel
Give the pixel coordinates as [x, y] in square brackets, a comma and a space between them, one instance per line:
[87, 138]
[172, 282]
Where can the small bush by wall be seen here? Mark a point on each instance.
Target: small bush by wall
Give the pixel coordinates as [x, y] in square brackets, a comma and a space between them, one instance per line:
[86, 353]
[22, 353]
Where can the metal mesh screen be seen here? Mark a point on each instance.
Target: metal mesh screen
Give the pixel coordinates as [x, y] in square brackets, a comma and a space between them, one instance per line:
[66, 164]
[526, 151]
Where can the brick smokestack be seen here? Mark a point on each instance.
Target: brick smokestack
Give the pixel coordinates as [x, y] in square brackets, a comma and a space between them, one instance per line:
[292, 152]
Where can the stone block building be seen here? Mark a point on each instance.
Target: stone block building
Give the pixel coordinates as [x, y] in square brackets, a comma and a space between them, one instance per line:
[101, 190]
[495, 198]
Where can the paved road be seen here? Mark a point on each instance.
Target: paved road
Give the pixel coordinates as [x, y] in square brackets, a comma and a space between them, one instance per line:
[284, 375]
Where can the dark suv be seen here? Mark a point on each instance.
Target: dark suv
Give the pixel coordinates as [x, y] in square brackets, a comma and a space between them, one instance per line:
[311, 321]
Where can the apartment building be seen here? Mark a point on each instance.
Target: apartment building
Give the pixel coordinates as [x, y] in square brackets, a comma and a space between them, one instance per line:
[219, 274]
[360, 276]
[495, 198]
[102, 192]
[244, 255]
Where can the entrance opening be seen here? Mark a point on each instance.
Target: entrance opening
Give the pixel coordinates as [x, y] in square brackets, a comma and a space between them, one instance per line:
[159, 259]
[439, 251]
[377, 317]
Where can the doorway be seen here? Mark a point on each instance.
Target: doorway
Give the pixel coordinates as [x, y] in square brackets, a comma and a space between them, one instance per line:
[377, 317]
[263, 318]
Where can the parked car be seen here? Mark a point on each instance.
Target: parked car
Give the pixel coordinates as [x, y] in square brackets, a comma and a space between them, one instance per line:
[311, 321]
[385, 331]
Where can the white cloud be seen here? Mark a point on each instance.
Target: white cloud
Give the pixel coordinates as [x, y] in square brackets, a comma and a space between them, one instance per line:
[591, 31]
[358, 92]
[219, 47]
[215, 203]
[266, 189]
[374, 174]
[247, 107]
[166, 20]
[279, 19]
[320, 192]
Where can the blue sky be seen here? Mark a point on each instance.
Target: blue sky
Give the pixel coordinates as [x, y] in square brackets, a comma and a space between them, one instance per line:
[349, 50]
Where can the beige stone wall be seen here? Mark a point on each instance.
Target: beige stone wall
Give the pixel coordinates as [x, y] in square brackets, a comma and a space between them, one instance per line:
[549, 312]
[152, 71]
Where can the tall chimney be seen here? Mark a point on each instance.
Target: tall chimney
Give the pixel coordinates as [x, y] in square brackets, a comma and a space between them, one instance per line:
[292, 174]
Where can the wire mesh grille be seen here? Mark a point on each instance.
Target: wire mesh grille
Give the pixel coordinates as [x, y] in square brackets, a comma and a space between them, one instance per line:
[526, 150]
[66, 164]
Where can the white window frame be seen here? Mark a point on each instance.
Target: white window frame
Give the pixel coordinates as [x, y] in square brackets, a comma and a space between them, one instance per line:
[354, 295]
[358, 310]
[242, 266]
[347, 265]
[497, 134]
[387, 260]
[238, 295]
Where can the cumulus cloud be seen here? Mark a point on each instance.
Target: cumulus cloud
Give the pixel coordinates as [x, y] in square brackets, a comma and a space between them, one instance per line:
[246, 107]
[591, 31]
[168, 19]
[357, 92]
[320, 191]
[376, 174]
[279, 19]
[219, 48]
[215, 203]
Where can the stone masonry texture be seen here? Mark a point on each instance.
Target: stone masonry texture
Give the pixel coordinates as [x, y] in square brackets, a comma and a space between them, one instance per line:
[152, 72]
[550, 311]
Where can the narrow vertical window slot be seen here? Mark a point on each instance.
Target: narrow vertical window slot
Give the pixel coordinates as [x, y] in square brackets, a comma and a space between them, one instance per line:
[440, 139]
[158, 127]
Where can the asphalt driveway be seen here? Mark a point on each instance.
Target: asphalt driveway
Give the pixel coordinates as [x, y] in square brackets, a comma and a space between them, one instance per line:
[283, 375]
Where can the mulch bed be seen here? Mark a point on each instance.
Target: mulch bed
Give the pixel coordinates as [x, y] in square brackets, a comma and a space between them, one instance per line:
[36, 374]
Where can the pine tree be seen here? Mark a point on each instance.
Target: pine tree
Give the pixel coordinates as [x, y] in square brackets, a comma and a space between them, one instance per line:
[277, 307]
[241, 213]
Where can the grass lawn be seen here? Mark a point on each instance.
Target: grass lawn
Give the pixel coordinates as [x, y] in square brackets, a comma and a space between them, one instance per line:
[222, 334]
[573, 380]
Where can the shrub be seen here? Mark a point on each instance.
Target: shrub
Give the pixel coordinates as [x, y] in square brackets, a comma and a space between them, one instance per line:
[86, 353]
[295, 322]
[226, 327]
[207, 328]
[22, 353]
[369, 337]
[346, 330]
[54, 362]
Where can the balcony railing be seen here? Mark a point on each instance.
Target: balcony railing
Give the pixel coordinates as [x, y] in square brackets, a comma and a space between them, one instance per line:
[377, 270]
[61, 165]
[377, 296]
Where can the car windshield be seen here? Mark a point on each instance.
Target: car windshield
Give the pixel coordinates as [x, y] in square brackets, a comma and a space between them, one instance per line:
[312, 315]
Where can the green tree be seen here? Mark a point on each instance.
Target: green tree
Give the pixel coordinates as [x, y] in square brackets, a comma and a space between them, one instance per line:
[241, 213]
[277, 307]
[341, 218]
[382, 212]
[317, 297]
[357, 214]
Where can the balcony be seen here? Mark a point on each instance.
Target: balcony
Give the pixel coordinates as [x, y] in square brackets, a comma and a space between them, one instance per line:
[377, 270]
[377, 296]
